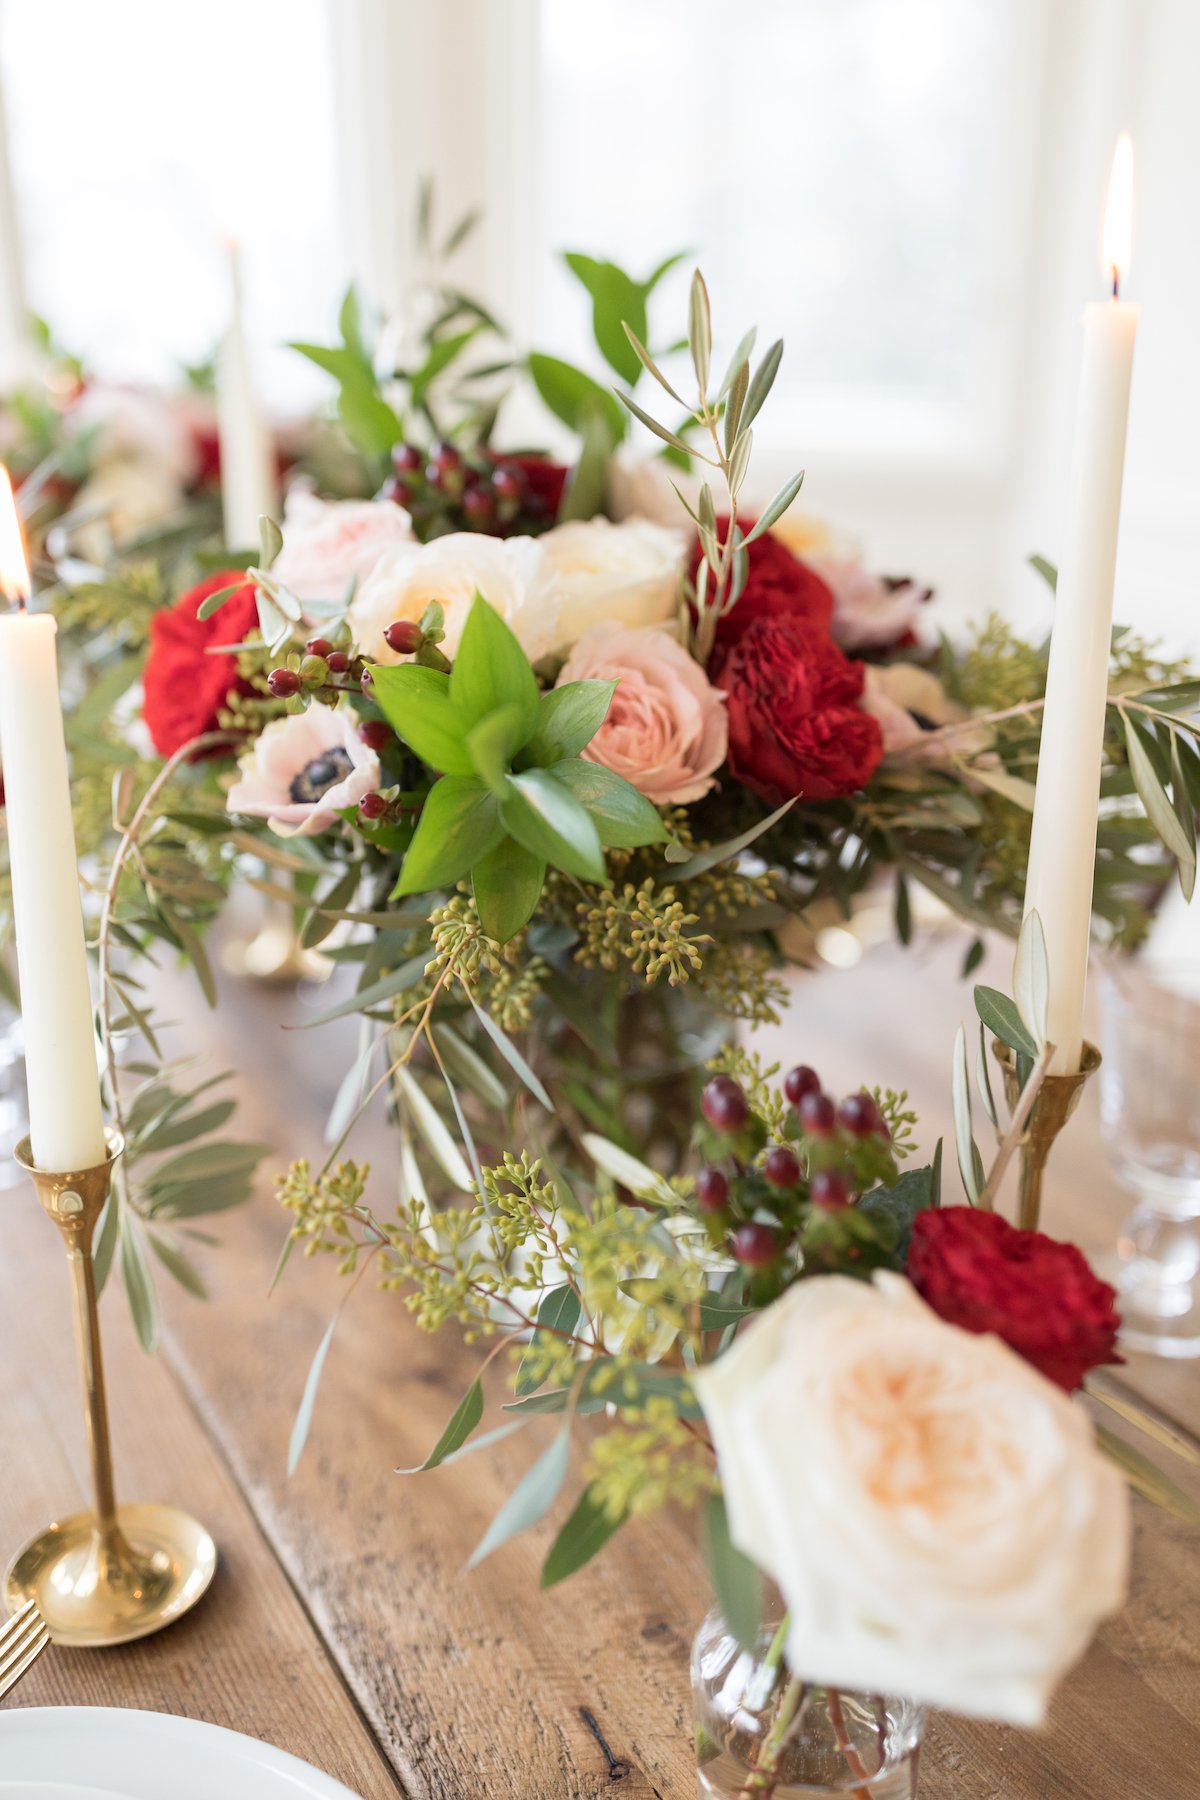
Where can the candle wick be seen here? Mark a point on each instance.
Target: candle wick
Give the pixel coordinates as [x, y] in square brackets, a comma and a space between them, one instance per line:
[1116, 282]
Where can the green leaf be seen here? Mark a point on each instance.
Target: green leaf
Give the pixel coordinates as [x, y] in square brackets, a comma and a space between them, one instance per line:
[463, 1421]
[507, 884]
[1031, 977]
[1046, 570]
[1161, 1430]
[586, 1531]
[512, 1055]
[1159, 810]
[628, 1171]
[493, 743]
[1146, 1478]
[651, 367]
[569, 719]
[572, 396]
[983, 1078]
[624, 818]
[208, 1162]
[216, 601]
[441, 355]
[605, 1383]
[909, 1194]
[466, 1065]
[416, 703]
[764, 377]
[699, 330]
[586, 488]
[270, 541]
[433, 1128]
[491, 670]
[139, 1288]
[617, 301]
[775, 508]
[903, 911]
[970, 1163]
[1001, 1017]
[308, 1399]
[975, 955]
[1181, 801]
[557, 1314]
[459, 824]
[529, 1501]
[178, 1265]
[550, 823]
[183, 1127]
[719, 853]
[107, 1234]
[652, 424]
[386, 988]
[736, 1581]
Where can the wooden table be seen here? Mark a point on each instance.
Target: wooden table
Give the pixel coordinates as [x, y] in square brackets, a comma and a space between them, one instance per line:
[342, 1625]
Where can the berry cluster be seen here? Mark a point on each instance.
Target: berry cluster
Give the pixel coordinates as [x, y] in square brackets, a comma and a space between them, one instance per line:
[777, 1206]
[451, 489]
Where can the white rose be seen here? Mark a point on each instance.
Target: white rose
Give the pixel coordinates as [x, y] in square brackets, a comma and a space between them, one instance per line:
[625, 574]
[329, 544]
[512, 574]
[639, 487]
[934, 1511]
[120, 500]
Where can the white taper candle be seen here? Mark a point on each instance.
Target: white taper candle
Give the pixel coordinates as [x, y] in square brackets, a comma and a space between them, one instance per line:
[1062, 851]
[65, 1120]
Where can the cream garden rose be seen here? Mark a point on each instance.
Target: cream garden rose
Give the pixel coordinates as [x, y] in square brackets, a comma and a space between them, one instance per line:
[513, 575]
[934, 1511]
[626, 574]
[328, 545]
[665, 730]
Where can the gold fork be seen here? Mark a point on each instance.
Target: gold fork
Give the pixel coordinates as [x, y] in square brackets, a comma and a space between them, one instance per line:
[22, 1640]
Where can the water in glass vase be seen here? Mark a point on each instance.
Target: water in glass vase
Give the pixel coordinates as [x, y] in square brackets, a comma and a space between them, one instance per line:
[761, 1734]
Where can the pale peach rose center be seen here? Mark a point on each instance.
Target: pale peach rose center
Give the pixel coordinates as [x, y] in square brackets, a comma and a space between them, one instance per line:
[920, 1447]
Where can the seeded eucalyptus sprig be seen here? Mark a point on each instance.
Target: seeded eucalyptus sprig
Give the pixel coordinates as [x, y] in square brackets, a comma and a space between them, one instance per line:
[727, 418]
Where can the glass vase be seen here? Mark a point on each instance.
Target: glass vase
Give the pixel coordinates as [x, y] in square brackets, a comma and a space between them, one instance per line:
[762, 1734]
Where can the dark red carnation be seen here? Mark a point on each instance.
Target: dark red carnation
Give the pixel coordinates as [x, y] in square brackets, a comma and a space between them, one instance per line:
[979, 1272]
[186, 686]
[778, 586]
[794, 723]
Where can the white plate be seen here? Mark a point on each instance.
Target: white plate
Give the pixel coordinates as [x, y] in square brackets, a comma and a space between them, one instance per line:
[102, 1753]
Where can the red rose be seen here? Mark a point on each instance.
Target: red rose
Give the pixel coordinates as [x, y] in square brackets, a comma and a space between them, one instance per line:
[794, 723]
[979, 1272]
[185, 686]
[778, 586]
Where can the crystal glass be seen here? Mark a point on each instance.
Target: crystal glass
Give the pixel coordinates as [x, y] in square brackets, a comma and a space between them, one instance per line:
[763, 1735]
[13, 1120]
[1150, 1038]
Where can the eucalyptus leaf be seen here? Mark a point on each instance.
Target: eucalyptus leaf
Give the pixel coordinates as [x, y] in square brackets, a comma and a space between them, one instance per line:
[628, 1171]
[386, 988]
[529, 1501]
[467, 1066]
[1159, 810]
[557, 1315]
[586, 1531]
[970, 1164]
[434, 1130]
[1031, 977]
[736, 1581]
[308, 1399]
[512, 1055]
[462, 1423]
[1146, 1478]
[706, 859]
[139, 1289]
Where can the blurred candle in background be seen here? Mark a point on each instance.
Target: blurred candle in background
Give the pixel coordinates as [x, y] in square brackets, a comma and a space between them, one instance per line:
[16, 344]
[1062, 851]
[247, 455]
[65, 1120]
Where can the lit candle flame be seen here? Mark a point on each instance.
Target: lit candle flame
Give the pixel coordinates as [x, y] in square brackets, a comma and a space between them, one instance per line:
[1118, 216]
[14, 563]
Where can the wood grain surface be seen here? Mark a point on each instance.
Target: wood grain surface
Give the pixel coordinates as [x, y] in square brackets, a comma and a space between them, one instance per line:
[478, 1684]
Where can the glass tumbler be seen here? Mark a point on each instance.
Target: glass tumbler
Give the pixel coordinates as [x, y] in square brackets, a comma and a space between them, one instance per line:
[1150, 1113]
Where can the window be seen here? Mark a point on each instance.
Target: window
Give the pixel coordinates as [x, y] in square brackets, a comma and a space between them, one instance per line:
[139, 147]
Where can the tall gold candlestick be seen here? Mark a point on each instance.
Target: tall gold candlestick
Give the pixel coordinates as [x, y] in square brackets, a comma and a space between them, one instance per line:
[117, 1572]
[1056, 1100]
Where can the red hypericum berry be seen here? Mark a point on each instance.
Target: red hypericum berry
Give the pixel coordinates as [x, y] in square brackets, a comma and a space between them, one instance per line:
[800, 1081]
[399, 491]
[338, 661]
[319, 646]
[755, 1245]
[508, 482]
[859, 1115]
[372, 806]
[818, 1115]
[782, 1167]
[479, 505]
[829, 1190]
[712, 1190]
[446, 455]
[724, 1104]
[406, 459]
[283, 683]
[376, 735]
[404, 636]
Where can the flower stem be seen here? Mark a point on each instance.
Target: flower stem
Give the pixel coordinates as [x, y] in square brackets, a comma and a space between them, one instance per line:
[850, 1756]
[763, 1778]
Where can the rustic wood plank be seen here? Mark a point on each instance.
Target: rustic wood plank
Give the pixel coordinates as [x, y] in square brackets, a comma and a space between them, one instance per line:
[247, 1657]
[480, 1685]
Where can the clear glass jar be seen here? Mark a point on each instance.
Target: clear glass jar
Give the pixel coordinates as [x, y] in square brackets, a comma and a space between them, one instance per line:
[761, 1734]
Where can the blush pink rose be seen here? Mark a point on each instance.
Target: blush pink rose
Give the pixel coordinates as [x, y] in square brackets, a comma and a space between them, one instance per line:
[869, 611]
[328, 545]
[665, 731]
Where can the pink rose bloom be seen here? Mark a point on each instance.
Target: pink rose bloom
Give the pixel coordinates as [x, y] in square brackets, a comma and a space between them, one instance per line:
[869, 613]
[330, 544]
[303, 770]
[665, 731]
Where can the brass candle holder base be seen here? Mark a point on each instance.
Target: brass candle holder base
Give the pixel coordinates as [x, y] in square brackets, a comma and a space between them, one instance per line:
[116, 1573]
[1056, 1100]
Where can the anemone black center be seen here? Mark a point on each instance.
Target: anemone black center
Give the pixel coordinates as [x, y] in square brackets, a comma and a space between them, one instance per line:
[318, 776]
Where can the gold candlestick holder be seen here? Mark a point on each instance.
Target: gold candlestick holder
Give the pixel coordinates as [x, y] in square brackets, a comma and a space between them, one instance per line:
[118, 1572]
[1053, 1105]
